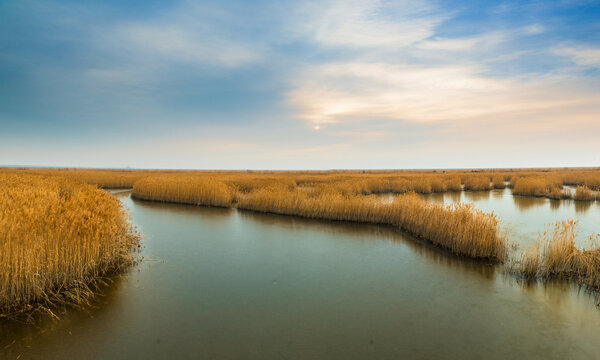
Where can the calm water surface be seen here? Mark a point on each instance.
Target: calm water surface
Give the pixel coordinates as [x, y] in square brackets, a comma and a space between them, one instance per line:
[226, 284]
[526, 215]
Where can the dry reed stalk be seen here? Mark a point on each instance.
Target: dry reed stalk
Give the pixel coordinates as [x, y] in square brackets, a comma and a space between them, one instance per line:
[57, 238]
[555, 255]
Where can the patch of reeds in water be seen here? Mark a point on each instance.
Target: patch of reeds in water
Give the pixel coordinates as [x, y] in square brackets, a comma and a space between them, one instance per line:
[555, 255]
[195, 190]
[583, 193]
[58, 239]
[476, 183]
[536, 186]
[459, 228]
[453, 183]
[498, 182]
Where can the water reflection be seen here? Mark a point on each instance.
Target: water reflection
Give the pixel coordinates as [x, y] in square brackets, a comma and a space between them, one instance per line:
[18, 335]
[452, 196]
[525, 203]
[559, 293]
[472, 196]
[582, 206]
[185, 210]
[555, 204]
[528, 216]
[366, 232]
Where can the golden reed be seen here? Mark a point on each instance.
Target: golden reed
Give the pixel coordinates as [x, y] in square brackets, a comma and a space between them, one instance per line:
[58, 238]
[555, 255]
[459, 228]
[543, 181]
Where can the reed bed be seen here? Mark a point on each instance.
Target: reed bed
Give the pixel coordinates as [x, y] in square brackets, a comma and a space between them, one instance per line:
[534, 186]
[58, 236]
[58, 240]
[550, 187]
[477, 183]
[555, 255]
[498, 182]
[185, 190]
[583, 193]
[557, 193]
[453, 183]
[348, 181]
[459, 228]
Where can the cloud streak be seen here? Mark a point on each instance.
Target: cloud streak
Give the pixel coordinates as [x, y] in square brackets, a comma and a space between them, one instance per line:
[335, 92]
[366, 23]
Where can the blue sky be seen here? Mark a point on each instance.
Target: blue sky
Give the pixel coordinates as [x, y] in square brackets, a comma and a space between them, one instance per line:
[300, 85]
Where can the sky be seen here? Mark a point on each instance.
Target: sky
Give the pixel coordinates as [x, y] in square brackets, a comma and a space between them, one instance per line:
[329, 84]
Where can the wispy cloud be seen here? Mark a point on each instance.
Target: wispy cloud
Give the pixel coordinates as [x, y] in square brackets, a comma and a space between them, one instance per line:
[337, 92]
[581, 55]
[421, 84]
[366, 23]
[465, 43]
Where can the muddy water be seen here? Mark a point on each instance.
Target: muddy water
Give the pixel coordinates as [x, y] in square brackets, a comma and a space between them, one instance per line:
[227, 284]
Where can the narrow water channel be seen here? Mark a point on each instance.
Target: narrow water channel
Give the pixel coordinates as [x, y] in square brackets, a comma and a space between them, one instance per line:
[227, 284]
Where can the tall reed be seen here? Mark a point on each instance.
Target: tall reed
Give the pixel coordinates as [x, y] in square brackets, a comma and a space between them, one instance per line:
[57, 239]
[536, 185]
[583, 193]
[194, 190]
[555, 255]
[477, 183]
[453, 183]
[498, 182]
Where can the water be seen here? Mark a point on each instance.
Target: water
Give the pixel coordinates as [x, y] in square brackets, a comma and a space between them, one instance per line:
[228, 284]
[526, 215]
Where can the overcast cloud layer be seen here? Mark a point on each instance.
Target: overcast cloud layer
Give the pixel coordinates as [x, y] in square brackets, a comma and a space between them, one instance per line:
[300, 85]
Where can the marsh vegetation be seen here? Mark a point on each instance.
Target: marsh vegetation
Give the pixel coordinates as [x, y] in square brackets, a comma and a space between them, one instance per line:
[58, 239]
[79, 233]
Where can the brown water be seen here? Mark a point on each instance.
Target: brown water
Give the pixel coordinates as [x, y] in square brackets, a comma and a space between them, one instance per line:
[227, 284]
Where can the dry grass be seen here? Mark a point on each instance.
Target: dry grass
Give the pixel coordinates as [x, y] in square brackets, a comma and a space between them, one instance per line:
[556, 256]
[57, 239]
